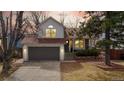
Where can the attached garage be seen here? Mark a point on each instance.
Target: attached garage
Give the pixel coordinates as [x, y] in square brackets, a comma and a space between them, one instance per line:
[44, 53]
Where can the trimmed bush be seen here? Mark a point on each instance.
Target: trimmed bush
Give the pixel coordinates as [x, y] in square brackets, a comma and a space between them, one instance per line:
[87, 52]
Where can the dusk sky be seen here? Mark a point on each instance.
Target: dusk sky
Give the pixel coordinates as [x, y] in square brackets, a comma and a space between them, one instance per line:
[70, 17]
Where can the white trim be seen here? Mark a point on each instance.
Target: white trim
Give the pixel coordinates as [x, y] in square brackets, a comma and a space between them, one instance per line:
[25, 53]
[62, 53]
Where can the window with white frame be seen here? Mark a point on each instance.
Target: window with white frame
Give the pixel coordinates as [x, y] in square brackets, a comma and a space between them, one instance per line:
[50, 32]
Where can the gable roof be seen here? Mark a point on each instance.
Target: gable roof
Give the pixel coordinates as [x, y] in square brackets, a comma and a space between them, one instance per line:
[53, 20]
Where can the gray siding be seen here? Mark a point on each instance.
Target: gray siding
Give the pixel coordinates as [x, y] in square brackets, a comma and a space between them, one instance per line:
[59, 28]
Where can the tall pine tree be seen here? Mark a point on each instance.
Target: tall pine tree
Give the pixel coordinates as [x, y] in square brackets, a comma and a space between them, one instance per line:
[112, 24]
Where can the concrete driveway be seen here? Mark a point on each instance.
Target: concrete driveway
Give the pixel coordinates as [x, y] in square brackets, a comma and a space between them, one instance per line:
[37, 71]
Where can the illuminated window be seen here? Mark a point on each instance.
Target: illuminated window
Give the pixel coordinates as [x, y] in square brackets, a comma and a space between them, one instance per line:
[50, 32]
[79, 44]
[50, 26]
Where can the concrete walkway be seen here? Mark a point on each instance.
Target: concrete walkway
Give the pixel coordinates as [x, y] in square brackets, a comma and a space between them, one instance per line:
[40, 71]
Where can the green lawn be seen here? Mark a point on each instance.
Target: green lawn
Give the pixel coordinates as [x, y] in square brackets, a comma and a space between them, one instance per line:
[89, 71]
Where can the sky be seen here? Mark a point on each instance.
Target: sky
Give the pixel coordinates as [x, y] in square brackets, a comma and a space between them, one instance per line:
[71, 18]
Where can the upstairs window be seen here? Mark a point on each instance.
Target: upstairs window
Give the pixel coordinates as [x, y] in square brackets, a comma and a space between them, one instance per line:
[50, 32]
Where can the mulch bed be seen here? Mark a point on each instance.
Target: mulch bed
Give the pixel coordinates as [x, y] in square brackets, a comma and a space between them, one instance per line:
[100, 63]
[112, 67]
[89, 60]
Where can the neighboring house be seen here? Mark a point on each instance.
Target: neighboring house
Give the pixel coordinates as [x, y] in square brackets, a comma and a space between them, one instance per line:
[51, 42]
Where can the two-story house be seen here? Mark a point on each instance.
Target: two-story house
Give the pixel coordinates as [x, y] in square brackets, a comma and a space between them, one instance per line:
[51, 42]
[47, 44]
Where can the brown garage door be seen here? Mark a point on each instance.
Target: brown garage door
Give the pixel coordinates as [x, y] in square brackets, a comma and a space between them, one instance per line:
[43, 53]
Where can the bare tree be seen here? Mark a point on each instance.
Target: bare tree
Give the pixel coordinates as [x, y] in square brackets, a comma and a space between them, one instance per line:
[14, 33]
[36, 18]
[74, 24]
[62, 18]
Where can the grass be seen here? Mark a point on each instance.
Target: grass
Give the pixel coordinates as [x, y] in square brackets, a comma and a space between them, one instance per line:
[90, 71]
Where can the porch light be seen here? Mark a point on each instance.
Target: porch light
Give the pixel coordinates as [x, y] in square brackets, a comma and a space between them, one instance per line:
[24, 50]
[62, 50]
[66, 41]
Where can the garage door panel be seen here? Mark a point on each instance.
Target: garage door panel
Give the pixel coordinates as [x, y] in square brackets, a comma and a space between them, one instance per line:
[43, 53]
